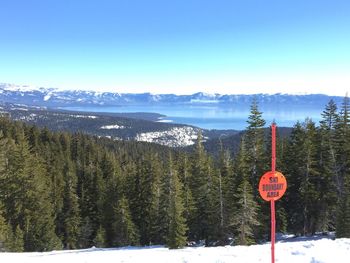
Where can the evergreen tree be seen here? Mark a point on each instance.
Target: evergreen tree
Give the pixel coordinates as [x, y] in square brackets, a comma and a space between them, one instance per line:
[342, 148]
[100, 239]
[28, 203]
[176, 236]
[86, 231]
[70, 212]
[254, 145]
[256, 161]
[328, 169]
[294, 168]
[305, 198]
[185, 176]
[111, 194]
[3, 234]
[15, 242]
[201, 186]
[226, 185]
[125, 230]
[342, 145]
[245, 218]
[228, 171]
[311, 179]
[343, 215]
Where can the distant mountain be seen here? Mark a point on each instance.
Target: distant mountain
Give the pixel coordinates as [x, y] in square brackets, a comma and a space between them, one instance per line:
[50, 97]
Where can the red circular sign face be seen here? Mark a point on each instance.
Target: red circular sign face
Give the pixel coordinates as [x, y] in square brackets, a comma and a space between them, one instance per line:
[272, 186]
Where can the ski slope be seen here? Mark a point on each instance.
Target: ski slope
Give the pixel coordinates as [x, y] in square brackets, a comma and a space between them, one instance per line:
[314, 250]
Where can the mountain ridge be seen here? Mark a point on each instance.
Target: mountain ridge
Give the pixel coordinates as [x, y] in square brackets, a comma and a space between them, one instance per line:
[51, 97]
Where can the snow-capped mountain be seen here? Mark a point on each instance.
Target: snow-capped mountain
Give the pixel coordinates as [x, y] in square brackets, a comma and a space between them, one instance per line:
[50, 97]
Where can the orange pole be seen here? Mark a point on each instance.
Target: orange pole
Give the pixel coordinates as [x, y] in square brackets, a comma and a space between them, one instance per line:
[273, 148]
[273, 169]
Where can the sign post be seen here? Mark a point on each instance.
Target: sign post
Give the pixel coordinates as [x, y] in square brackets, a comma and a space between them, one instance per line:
[272, 187]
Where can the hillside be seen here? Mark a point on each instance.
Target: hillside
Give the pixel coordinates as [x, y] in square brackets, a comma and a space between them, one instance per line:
[117, 126]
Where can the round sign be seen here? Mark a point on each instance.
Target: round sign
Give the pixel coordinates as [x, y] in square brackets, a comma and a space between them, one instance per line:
[272, 186]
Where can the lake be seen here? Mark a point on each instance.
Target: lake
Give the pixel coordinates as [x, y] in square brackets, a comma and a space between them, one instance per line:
[214, 116]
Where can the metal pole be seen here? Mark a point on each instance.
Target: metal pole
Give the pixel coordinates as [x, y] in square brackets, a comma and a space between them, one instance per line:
[273, 148]
[273, 169]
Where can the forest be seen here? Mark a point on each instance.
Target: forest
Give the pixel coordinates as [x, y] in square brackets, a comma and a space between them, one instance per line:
[61, 190]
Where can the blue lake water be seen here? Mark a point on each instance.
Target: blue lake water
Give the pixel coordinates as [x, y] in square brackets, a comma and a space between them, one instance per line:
[214, 116]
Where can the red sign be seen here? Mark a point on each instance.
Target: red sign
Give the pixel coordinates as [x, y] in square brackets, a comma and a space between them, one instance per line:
[272, 186]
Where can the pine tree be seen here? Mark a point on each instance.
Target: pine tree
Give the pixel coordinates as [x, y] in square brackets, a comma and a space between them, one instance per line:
[111, 194]
[144, 198]
[176, 236]
[226, 185]
[311, 180]
[28, 203]
[15, 242]
[85, 234]
[201, 185]
[89, 186]
[156, 236]
[4, 228]
[342, 131]
[328, 169]
[70, 212]
[254, 145]
[342, 148]
[185, 176]
[163, 220]
[294, 167]
[245, 218]
[256, 161]
[343, 215]
[126, 233]
[100, 238]
[7, 237]
[305, 197]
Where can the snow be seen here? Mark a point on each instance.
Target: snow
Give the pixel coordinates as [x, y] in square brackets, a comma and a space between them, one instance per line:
[323, 250]
[18, 88]
[203, 101]
[22, 109]
[115, 126]
[165, 121]
[162, 119]
[47, 97]
[174, 137]
[83, 116]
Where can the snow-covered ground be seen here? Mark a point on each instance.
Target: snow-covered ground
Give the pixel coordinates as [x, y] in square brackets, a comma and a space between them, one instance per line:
[110, 127]
[174, 137]
[317, 250]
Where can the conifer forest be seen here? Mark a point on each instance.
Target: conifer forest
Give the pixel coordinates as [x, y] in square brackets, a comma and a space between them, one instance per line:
[60, 190]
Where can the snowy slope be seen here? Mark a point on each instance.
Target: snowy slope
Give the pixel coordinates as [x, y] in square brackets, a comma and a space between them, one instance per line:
[310, 251]
[174, 137]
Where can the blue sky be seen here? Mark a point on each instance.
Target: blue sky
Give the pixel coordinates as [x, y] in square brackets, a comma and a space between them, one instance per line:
[224, 46]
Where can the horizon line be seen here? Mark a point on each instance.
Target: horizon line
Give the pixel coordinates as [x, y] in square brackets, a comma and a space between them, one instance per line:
[60, 89]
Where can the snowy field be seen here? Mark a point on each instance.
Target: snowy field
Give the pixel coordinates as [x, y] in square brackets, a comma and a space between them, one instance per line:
[316, 250]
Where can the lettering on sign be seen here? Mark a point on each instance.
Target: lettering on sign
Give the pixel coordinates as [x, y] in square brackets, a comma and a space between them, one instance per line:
[272, 186]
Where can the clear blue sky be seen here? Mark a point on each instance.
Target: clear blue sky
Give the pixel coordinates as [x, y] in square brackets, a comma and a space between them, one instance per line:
[178, 46]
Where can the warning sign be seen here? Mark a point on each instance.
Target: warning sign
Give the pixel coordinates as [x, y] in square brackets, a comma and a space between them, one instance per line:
[272, 186]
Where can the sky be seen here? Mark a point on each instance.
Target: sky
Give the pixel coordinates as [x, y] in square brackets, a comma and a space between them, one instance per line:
[178, 46]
